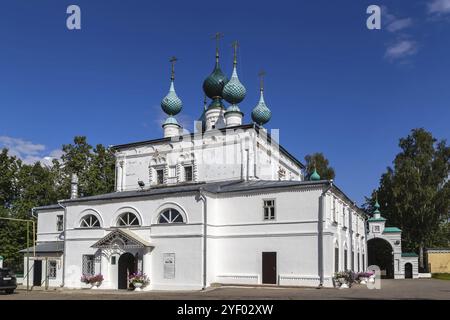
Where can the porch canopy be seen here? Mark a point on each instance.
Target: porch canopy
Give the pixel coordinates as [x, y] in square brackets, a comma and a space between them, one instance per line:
[123, 238]
[46, 247]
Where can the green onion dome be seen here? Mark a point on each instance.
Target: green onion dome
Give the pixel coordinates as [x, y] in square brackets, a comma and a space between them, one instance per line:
[234, 91]
[216, 103]
[171, 104]
[170, 120]
[214, 83]
[261, 114]
[233, 109]
[314, 176]
[377, 207]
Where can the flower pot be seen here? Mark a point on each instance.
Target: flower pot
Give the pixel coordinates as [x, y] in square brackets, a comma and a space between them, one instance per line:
[344, 286]
[138, 286]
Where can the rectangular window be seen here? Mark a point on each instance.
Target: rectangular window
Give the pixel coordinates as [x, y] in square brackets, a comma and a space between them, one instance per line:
[188, 173]
[345, 260]
[52, 269]
[88, 264]
[160, 176]
[336, 259]
[172, 171]
[269, 209]
[59, 222]
[359, 262]
[353, 260]
[376, 228]
[344, 217]
[334, 209]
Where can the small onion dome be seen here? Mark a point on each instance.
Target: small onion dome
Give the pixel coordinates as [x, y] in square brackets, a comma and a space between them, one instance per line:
[377, 207]
[214, 83]
[234, 91]
[261, 114]
[233, 109]
[171, 104]
[216, 103]
[172, 121]
[314, 176]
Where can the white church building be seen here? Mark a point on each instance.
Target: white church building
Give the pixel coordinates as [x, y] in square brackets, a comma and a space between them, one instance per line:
[225, 204]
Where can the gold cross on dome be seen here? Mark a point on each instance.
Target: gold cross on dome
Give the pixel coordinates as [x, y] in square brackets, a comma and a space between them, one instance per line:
[261, 75]
[172, 61]
[235, 46]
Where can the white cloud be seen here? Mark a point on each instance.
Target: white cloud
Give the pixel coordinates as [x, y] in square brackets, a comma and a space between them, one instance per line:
[399, 24]
[439, 7]
[28, 151]
[392, 23]
[401, 49]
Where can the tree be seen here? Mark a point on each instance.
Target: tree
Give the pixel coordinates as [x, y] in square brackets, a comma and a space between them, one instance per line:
[321, 164]
[76, 160]
[9, 166]
[415, 194]
[100, 174]
[23, 187]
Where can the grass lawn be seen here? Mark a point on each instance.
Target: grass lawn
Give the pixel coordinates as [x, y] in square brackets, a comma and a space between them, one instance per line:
[441, 276]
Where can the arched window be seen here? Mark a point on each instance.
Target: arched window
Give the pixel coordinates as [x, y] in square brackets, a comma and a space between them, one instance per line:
[170, 216]
[127, 219]
[89, 221]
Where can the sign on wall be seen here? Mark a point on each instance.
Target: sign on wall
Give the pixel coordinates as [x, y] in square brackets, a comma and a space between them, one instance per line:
[169, 265]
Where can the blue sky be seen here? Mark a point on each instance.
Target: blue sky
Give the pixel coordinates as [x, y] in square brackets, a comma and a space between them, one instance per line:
[333, 85]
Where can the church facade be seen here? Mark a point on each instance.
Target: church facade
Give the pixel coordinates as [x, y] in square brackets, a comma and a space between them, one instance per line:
[225, 204]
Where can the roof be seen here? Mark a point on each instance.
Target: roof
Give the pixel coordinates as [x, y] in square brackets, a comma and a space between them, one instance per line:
[376, 219]
[49, 207]
[391, 230]
[438, 249]
[51, 246]
[193, 135]
[211, 187]
[409, 254]
[127, 238]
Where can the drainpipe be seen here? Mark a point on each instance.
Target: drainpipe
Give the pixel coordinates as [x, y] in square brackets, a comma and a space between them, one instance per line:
[202, 197]
[321, 215]
[64, 244]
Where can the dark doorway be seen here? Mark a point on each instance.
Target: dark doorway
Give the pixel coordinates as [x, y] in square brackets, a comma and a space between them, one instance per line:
[408, 271]
[37, 273]
[269, 267]
[127, 266]
[380, 254]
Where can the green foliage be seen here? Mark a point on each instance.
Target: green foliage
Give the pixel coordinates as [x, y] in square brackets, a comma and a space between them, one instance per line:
[441, 276]
[322, 165]
[23, 187]
[414, 195]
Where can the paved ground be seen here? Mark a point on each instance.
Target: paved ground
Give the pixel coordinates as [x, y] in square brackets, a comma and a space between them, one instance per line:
[390, 289]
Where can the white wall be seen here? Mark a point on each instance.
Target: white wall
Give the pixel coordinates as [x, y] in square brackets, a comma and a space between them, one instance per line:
[216, 156]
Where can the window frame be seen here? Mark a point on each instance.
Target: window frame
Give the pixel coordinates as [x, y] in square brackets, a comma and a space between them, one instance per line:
[91, 226]
[170, 220]
[87, 258]
[271, 217]
[52, 267]
[157, 180]
[192, 172]
[127, 224]
[59, 222]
